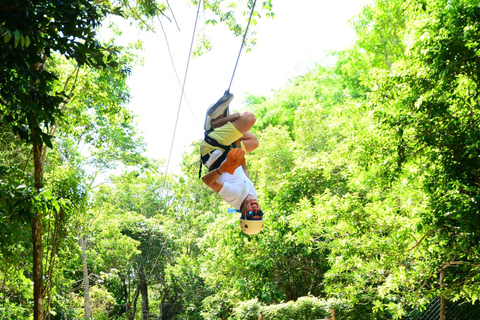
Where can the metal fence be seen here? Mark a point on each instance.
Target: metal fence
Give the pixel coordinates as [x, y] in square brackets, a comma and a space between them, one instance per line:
[458, 310]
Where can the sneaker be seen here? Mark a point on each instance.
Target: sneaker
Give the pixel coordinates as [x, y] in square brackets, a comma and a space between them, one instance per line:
[217, 109]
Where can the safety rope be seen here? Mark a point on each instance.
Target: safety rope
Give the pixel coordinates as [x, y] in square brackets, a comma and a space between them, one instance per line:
[181, 96]
[174, 131]
[174, 68]
[243, 41]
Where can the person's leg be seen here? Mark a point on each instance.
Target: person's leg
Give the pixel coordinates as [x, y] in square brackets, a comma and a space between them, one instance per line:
[221, 120]
[218, 109]
[249, 140]
[243, 121]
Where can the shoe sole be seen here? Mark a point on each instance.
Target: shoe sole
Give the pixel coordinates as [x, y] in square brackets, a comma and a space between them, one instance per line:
[219, 105]
[207, 120]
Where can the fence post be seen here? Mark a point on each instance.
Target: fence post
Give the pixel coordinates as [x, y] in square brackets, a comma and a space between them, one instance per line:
[443, 302]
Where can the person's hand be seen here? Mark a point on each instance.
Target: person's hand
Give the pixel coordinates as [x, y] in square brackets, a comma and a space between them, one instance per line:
[235, 158]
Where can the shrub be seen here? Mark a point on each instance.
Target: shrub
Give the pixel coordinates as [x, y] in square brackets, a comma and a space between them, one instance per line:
[11, 311]
[247, 310]
[305, 308]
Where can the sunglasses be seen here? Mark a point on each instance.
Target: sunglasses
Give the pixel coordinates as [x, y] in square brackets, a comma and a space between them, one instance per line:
[258, 213]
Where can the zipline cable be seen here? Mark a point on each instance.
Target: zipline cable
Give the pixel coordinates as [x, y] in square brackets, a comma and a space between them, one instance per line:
[174, 68]
[176, 123]
[182, 207]
[243, 41]
[181, 96]
[173, 15]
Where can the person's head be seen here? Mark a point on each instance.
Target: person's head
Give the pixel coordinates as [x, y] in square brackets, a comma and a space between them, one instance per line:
[251, 220]
[251, 208]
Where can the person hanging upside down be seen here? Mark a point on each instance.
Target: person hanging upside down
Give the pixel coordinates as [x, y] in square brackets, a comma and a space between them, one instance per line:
[227, 139]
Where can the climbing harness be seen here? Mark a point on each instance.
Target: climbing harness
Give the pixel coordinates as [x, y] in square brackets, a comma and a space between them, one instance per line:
[225, 149]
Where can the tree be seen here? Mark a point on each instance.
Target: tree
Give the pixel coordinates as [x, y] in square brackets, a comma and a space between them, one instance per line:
[380, 29]
[30, 106]
[430, 100]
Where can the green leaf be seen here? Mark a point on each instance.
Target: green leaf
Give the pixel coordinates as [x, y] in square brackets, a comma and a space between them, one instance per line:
[27, 41]
[47, 139]
[8, 36]
[16, 34]
[211, 21]
[56, 205]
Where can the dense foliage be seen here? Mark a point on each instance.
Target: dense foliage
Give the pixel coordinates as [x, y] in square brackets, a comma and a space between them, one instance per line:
[368, 170]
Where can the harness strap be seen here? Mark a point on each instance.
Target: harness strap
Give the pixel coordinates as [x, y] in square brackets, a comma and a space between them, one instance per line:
[220, 159]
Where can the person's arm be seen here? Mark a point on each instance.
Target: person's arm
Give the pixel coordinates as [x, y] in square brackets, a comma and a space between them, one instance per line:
[235, 158]
[211, 179]
[244, 167]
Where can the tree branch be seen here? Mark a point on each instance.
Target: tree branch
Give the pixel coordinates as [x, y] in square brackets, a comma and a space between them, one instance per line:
[421, 240]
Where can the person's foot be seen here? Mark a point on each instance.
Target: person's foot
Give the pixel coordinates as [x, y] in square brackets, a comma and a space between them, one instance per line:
[221, 106]
[218, 109]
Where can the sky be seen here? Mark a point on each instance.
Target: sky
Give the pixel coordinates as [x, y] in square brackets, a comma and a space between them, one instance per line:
[288, 45]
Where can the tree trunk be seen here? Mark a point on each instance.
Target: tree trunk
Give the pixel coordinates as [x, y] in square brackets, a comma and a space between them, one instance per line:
[135, 300]
[38, 294]
[443, 302]
[86, 283]
[142, 285]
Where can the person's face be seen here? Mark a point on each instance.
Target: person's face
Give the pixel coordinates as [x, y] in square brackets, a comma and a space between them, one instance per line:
[252, 205]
